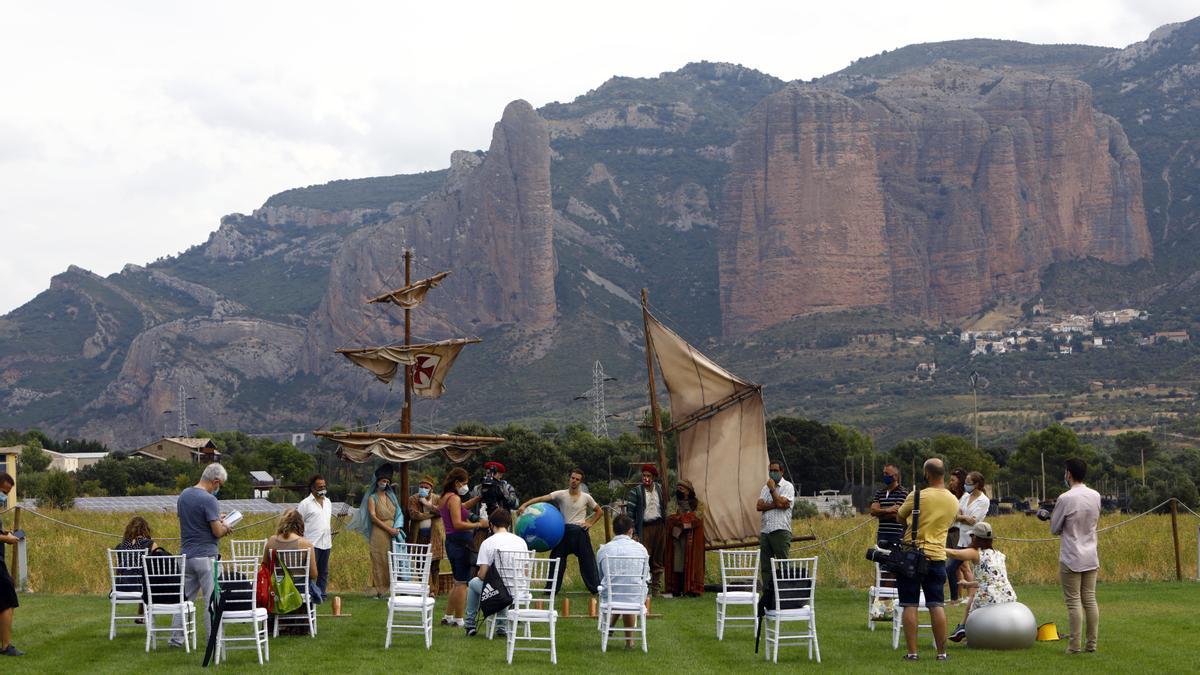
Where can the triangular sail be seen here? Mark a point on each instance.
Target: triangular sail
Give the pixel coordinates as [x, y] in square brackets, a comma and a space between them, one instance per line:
[430, 363]
[722, 435]
[411, 296]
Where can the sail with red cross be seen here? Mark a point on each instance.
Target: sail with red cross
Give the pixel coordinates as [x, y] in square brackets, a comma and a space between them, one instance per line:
[430, 363]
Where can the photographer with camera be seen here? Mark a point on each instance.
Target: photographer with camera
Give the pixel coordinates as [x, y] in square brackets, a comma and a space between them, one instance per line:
[932, 518]
[493, 491]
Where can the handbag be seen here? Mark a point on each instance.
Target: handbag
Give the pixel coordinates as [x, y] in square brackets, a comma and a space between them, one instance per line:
[494, 597]
[264, 597]
[287, 598]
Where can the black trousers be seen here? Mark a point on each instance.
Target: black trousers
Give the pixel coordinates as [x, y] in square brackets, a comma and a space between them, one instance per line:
[576, 541]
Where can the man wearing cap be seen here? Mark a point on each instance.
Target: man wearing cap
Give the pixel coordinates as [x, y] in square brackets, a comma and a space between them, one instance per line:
[494, 490]
[644, 504]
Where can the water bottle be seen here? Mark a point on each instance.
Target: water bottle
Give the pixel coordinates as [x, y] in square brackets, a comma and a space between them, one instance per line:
[483, 512]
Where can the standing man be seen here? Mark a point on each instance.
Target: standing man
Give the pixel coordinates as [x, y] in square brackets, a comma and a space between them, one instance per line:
[494, 491]
[200, 528]
[574, 504]
[647, 509]
[1076, 513]
[317, 512]
[884, 506]
[938, 508]
[500, 542]
[775, 538]
[8, 589]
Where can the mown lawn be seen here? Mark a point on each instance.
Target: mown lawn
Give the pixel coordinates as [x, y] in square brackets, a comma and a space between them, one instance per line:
[1146, 628]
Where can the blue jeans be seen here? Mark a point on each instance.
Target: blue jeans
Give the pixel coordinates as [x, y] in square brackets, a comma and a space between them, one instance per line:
[322, 568]
[474, 591]
[933, 583]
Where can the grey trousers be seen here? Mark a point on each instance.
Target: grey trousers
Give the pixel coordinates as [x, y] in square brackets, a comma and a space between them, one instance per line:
[197, 576]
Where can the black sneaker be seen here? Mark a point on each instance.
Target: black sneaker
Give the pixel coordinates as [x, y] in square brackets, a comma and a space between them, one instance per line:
[472, 631]
[911, 657]
[11, 651]
[959, 633]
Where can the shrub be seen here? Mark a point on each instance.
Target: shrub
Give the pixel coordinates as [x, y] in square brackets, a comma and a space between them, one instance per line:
[59, 490]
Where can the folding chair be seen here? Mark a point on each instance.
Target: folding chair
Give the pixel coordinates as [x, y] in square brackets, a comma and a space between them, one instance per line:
[533, 602]
[898, 625]
[239, 584]
[125, 575]
[409, 566]
[296, 563]
[164, 575]
[247, 549]
[880, 592]
[623, 593]
[739, 586]
[795, 580]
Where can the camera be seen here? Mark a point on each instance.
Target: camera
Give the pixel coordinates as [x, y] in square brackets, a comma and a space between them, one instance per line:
[903, 560]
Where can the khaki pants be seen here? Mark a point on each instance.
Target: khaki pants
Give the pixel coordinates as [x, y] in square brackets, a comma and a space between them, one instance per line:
[1079, 591]
[654, 539]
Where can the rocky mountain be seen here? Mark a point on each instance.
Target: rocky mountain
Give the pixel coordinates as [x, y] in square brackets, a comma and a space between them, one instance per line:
[929, 181]
[938, 191]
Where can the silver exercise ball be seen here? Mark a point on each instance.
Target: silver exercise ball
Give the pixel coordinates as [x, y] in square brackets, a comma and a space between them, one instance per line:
[1008, 625]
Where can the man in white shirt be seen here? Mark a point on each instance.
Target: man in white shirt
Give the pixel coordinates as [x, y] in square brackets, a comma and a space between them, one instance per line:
[1076, 513]
[775, 537]
[317, 512]
[501, 542]
[624, 546]
[574, 504]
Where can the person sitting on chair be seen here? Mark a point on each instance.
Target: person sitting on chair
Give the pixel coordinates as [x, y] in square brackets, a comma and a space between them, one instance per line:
[136, 538]
[622, 545]
[501, 542]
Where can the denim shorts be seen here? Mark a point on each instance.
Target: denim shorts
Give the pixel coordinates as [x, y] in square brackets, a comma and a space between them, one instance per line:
[933, 583]
[458, 550]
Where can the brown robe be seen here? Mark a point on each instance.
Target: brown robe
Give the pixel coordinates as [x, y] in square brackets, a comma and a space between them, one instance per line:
[693, 553]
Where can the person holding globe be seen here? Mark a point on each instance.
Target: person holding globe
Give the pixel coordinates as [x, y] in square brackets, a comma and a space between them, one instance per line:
[574, 504]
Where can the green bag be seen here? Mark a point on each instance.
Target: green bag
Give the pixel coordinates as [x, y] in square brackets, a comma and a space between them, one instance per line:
[287, 598]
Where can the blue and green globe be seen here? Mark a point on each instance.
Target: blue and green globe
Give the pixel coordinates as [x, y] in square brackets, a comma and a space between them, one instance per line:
[541, 526]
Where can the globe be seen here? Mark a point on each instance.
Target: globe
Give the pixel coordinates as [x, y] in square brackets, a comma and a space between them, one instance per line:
[541, 526]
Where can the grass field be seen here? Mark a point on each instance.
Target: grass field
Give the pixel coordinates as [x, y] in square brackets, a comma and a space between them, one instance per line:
[1146, 628]
[66, 561]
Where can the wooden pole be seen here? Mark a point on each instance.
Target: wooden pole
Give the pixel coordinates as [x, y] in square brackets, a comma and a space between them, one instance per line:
[1175, 536]
[657, 423]
[15, 566]
[406, 413]
[608, 530]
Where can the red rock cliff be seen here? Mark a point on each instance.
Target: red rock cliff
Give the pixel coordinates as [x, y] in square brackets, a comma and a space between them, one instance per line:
[938, 192]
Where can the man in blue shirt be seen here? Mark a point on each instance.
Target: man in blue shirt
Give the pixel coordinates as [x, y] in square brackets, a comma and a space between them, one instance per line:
[200, 528]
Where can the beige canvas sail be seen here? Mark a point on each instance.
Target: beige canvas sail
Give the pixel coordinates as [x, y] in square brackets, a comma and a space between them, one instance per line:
[723, 439]
[403, 450]
[411, 296]
[430, 362]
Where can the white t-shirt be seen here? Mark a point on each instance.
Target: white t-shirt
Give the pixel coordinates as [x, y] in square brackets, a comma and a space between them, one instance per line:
[316, 521]
[574, 510]
[501, 541]
[653, 507]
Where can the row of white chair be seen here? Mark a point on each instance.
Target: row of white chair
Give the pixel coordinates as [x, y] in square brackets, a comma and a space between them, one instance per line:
[156, 585]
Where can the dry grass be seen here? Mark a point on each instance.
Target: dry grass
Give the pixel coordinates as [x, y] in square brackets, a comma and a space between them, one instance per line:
[64, 560]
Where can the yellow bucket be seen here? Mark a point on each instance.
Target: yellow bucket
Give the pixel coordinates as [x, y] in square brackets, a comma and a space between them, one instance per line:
[1047, 632]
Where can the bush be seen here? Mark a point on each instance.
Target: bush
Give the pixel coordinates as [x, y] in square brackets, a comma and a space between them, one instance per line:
[58, 491]
[33, 458]
[805, 510]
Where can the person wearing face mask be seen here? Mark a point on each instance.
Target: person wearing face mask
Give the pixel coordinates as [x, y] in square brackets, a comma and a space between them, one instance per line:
[885, 504]
[1074, 519]
[426, 523]
[200, 528]
[775, 537]
[972, 508]
[380, 520]
[317, 511]
[8, 589]
[455, 510]
[684, 560]
[645, 505]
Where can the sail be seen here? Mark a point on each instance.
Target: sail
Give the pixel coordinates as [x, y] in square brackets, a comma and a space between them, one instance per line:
[722, 435]
[413, 294]
[362, 446]
[430, 363]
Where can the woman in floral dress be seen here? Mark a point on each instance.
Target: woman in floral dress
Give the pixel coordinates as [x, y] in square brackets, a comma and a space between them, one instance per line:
[991, 585]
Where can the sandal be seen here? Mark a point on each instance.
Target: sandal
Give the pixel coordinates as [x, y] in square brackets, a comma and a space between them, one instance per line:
[943, 657]
[911, 657]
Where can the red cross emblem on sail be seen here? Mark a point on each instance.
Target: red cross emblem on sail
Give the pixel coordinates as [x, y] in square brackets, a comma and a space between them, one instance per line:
[423, 370]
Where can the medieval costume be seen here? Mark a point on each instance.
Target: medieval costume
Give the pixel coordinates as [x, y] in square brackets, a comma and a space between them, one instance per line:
[645, 504]
[684, 559]
[386, 505]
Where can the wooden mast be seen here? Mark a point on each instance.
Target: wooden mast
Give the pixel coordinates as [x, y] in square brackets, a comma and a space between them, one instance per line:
[658, 434]
[406, 413]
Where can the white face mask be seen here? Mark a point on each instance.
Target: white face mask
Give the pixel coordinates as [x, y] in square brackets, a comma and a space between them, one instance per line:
[969, 488]
[462, 491]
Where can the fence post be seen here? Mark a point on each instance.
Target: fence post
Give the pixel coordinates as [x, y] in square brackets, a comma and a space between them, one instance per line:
[15, 565]
[1175, 536]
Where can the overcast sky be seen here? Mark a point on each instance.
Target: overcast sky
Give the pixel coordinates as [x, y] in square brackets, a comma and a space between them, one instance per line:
[128, 129]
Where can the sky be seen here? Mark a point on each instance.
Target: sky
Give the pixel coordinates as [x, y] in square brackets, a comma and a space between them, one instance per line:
[128, 129]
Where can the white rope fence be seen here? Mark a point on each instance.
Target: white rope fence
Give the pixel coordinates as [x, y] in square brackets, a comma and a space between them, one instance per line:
[1099, 531]
[120, 536]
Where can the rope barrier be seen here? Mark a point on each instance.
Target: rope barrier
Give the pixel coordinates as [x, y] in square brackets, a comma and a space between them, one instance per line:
[823, 542]
[1189, 510]
[1098, 532]
[119, 536]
